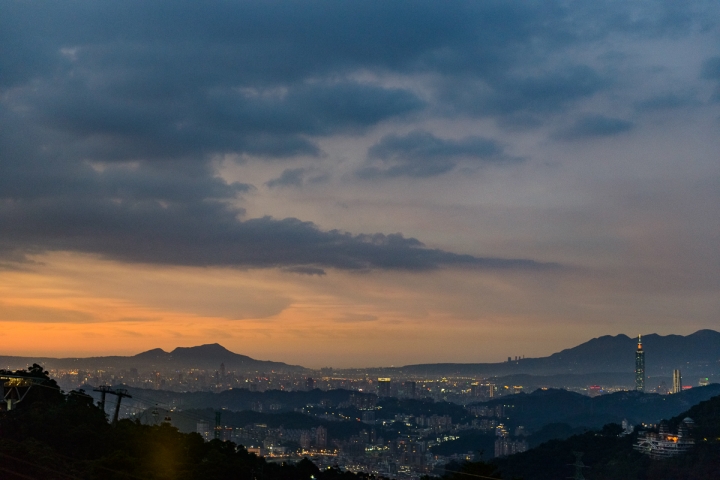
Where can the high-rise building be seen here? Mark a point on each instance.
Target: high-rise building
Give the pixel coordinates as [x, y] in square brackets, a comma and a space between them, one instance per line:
[368, 416]
[305, 440]
[321, 437]
[203, 428]
[410, 387]
[677, 381]
[383, 387]
[505, 446]
[640, 367]
[309, 384]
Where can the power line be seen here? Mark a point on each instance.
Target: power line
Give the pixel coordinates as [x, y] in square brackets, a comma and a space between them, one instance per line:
[471, 474]
[42, 467]
[19, 475]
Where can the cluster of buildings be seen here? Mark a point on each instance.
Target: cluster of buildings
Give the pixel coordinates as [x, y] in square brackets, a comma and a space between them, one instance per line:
[640, 375]
[665, 444]
[408, 455]
[271, 442]
[505, 446]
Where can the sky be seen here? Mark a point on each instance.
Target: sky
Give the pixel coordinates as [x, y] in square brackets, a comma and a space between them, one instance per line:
[355, 184]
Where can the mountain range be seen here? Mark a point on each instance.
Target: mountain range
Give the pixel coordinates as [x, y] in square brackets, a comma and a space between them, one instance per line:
[208, 356]
[697, 354]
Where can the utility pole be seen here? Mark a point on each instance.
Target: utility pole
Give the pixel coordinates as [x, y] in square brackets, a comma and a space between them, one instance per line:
[118, 392]
[103, 389]
[14, 388]
[579, 465]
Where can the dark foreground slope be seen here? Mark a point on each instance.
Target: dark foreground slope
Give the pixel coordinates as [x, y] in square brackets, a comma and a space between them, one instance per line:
[611, 457]
[56, 436]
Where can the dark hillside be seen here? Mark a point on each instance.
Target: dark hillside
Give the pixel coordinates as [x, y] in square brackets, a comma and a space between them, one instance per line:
[51, 436]
[611, 457]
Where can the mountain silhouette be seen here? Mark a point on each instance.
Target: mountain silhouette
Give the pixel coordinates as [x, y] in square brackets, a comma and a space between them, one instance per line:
[696, 354]
[208, 356]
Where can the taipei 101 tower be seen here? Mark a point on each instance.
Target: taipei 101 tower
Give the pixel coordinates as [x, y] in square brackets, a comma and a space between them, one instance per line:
[640, 367]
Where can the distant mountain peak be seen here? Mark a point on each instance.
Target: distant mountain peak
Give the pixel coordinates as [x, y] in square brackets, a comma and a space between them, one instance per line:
[208, 348]
[154, 350]
[705, 333]
[154, 353]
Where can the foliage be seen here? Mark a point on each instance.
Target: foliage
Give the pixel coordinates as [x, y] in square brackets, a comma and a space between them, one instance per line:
[54, 435]
[469, 441]
[609, 456]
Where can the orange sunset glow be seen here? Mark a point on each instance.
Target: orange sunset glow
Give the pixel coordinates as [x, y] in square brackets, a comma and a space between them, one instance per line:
[449, 188]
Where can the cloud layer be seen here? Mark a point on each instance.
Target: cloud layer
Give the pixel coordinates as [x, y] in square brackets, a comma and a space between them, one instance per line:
[421, 154]
[114, 115]
[444, 181]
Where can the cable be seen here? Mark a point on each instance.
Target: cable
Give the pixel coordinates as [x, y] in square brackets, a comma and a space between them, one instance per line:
[39, 466]
[20, 475]
[65, 474]
[472, 474]
[154, 403]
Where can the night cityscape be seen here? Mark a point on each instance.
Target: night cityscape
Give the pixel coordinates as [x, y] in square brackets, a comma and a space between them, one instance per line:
[400, 425]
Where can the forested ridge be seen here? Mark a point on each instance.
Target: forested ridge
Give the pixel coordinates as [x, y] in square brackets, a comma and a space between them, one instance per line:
[53, 435]
[609, 456]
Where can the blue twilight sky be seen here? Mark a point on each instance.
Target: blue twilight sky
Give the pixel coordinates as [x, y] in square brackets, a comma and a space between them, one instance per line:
[357, 183]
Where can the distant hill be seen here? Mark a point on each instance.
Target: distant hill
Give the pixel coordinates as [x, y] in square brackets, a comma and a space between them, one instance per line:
[544, 407]
[208, 356]
[696, 354]
[610, 457]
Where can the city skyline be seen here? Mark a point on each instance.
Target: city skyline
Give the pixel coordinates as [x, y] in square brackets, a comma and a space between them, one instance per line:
[321, 183]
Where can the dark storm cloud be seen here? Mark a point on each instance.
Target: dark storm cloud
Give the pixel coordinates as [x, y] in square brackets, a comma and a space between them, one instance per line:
[112, 113]
[117, 126]
[711, 68]
[667, 101]
[290, 177]
[210, 234]
[511, 94]
[711, 71]
[304, 270]
[186, 53]
[297, 177]
[172, 212]
[425, 145]
[422, 154]
[594, 126]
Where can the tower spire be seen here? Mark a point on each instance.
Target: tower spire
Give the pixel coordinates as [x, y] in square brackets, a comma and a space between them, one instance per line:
[640, 366]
